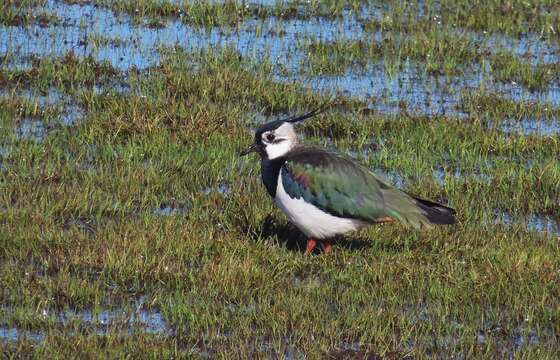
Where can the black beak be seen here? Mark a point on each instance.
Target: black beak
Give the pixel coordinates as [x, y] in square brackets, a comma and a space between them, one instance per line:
[250, 149]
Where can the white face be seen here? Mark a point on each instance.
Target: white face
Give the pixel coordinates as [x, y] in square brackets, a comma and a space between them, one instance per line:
[279, 141]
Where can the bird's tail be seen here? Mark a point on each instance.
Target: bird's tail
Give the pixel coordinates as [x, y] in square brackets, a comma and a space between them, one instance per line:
[417, 212]
[436, 213]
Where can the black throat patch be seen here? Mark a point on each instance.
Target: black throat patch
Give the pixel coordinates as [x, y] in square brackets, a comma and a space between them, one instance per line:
[270, 170]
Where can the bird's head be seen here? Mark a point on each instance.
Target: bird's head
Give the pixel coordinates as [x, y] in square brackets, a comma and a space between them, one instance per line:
[276, 138]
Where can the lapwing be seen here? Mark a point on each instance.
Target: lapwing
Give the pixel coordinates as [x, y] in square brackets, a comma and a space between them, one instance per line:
[325, 193]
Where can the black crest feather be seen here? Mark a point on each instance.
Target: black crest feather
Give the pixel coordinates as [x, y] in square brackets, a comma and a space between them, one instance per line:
[292, 119]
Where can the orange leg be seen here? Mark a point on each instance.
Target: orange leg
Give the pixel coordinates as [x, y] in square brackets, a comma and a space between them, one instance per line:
[327, 247]
[310, 246]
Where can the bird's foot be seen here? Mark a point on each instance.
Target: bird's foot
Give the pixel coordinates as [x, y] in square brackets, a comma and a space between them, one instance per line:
[310, 246]
[327, 247]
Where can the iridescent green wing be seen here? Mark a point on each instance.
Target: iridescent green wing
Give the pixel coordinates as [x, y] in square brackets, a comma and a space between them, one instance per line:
[334, 183]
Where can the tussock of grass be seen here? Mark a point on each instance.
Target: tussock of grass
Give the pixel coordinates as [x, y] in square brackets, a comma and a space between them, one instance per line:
[21, 12]
[534, 77]
[494, 106]
[66, 72]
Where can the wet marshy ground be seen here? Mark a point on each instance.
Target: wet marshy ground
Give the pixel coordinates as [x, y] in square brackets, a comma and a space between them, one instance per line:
[128, 222]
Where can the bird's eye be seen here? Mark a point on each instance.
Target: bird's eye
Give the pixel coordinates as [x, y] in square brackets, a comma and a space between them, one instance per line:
[270, 137]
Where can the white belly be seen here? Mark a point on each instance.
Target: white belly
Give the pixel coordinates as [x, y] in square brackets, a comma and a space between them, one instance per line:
[312, 221]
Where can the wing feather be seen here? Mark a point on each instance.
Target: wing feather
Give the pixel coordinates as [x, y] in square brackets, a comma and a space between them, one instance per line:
[334, 183]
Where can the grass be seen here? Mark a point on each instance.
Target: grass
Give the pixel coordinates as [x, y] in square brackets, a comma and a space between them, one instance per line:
[514, 18]
[144, 151]
[81, 231]
[492, 105]
[437, 52]
[511, 68]
[19, 12]
[68, 72]
[228, 13]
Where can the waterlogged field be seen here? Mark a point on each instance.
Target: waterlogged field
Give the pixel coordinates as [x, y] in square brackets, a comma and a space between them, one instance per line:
[130, 227]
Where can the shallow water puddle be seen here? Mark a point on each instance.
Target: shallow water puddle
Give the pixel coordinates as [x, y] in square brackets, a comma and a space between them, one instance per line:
[508, 340]
[34, 128]
[171, 209]
[516, 92]
[406, 91]
[516, 342]
[531, 126]
[222, 188]
[4, 152]
[42, 99]
[101, 321]
[443, 176]
[134, 45]
[528, 47]
[93, 30]
[15, 334]
[545, 224]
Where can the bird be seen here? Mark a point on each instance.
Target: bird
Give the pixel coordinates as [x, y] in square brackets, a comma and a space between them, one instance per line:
[325, 193]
